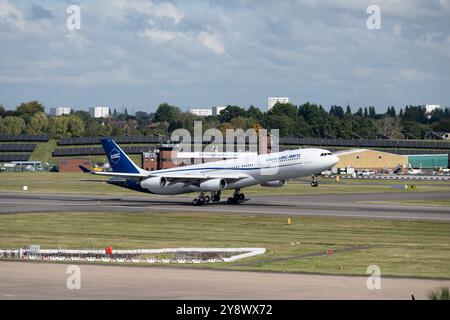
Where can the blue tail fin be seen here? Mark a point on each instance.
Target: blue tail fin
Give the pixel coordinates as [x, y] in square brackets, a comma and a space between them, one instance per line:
[118, 159]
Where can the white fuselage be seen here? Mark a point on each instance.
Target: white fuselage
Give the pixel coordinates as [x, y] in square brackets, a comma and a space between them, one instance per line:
[255, 170]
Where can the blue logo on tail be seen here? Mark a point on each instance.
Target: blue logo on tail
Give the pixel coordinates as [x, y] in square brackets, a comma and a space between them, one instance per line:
[115, 156]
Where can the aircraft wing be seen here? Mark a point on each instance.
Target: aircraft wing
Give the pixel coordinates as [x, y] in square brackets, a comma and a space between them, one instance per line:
[170, 176]
[206, 176]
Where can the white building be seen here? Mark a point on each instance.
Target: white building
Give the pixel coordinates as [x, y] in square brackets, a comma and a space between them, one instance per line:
[431, 107]
[59, 111]
[201, 112]
[271, 101]
[99, 112]
[216, 110]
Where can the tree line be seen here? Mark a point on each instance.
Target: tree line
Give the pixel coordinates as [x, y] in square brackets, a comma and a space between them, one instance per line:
[308, 119]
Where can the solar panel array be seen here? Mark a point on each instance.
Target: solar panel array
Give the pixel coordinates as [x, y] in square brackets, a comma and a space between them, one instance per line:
[93, 151]
[120, 140]
[397, 151]
[14, 157]
[24, 138]
[371, 143]
[17, 147]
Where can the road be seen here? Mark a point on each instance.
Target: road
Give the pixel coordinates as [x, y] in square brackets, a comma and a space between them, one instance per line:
[334, 205]
[24, 280]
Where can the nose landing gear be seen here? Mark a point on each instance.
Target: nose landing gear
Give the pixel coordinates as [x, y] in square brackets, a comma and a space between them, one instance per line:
[314, 182]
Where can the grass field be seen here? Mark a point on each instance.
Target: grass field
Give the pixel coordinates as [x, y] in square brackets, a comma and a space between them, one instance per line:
[89, 184]
[399, 248]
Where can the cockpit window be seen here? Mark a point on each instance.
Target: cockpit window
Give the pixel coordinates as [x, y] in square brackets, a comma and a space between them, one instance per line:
[325, 154]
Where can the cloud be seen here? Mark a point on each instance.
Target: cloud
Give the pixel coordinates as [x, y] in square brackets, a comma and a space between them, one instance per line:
[220, 52]
[39, 12]
[159, 35]
[413, 74]
[10, 16]
[168, 10]
[211, 42]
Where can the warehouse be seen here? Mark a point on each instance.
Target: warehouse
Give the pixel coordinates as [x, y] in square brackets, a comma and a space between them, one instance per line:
[370, 159]
[428, 161]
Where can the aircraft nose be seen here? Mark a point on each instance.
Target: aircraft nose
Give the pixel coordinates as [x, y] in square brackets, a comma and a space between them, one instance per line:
[335, 159]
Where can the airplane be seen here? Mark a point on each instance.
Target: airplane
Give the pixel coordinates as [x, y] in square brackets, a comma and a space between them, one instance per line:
[268, 170]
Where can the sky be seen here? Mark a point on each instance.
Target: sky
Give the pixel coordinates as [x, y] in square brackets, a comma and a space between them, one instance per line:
[197, 54]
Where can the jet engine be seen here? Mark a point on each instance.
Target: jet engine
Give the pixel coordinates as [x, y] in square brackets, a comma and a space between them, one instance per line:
[213, 185]
[154, 183]
[274, 183]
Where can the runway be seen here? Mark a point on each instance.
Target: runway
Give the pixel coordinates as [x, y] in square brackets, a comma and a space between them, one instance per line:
[335, 205]
[21, 280]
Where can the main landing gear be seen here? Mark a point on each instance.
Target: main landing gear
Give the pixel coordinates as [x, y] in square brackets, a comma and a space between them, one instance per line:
[203, 198]
[314, 182]
[237, 198]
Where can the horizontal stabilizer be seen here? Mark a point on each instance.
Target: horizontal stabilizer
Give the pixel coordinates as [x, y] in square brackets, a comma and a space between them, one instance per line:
[84, 169]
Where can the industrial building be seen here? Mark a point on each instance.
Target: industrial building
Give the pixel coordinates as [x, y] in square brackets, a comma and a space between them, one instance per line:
[428, 161]
[360, 159]
[370, 159]
[73, 165]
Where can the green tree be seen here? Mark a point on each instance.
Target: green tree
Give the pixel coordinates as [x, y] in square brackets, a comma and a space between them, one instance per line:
[254, 113]
[27, 109]
[372, 112]
[231, 112]
[238, 123]
[38, 124]
[96, 128]
[348, 111]
[415, 128]
[75, 126]
[284, 123]
[337, 111]
[390, 126]
[12, 125]
[286, 109]
[436, 115]
[443, 125]
[166, 112]
[57, 127]
[415, 113]
[391, 112]
[83, 115]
